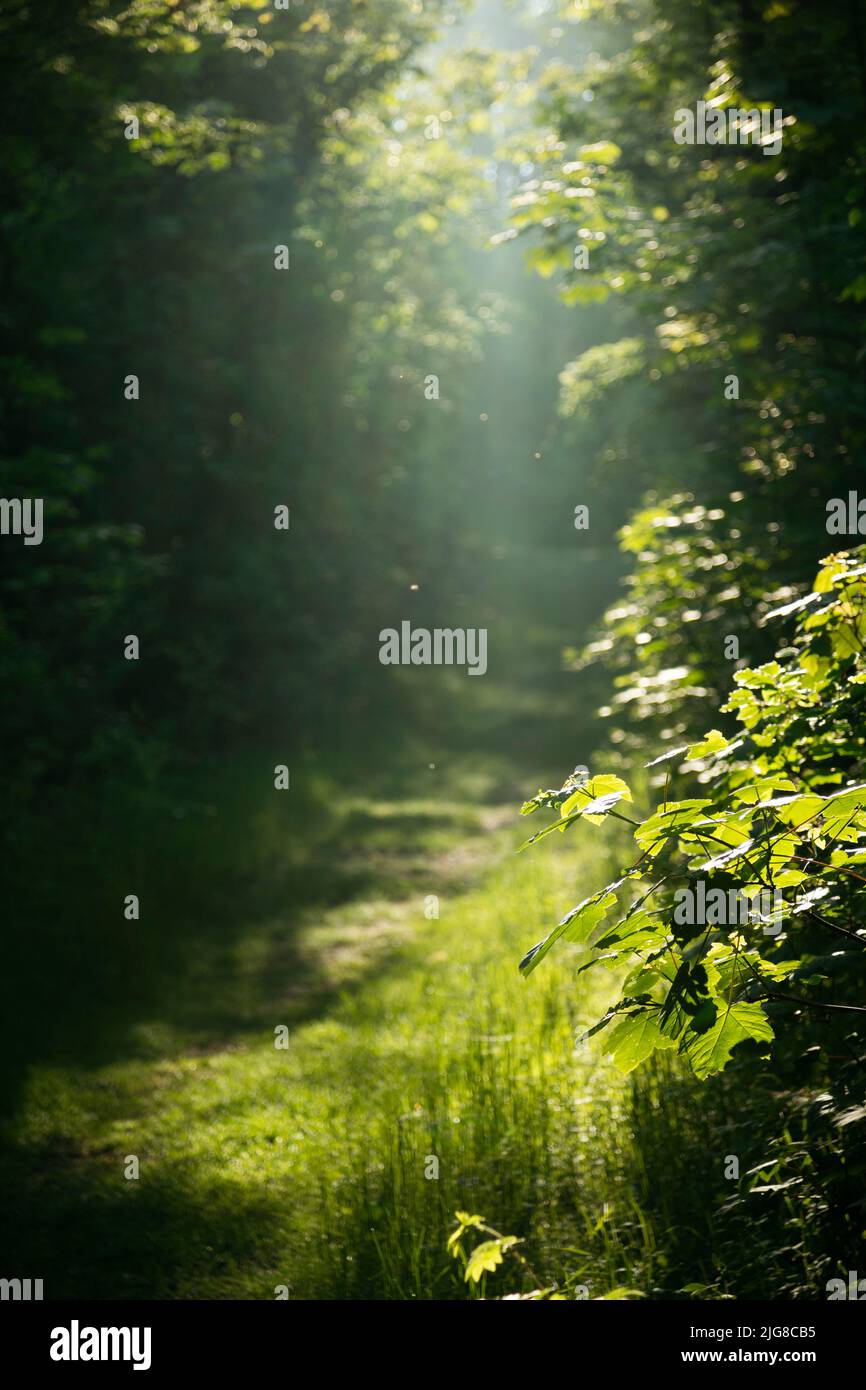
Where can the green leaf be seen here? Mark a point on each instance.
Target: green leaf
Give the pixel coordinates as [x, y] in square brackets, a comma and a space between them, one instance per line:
[583, 804]
[576, 925]
[641, 931]
[720, 860]
[657, 829]
[625, 1003]
[634, 1038]
[596, 789]
[752, 793]
[710, 1052]
[486, 1257]
[713, 742]
[465, 1221]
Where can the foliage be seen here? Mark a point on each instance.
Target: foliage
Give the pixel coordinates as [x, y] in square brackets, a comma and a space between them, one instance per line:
[487, 1256]
[149, 250]
[718, 261]
[755, 888]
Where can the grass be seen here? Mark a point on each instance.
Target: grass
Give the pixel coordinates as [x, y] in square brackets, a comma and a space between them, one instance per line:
[422, 1075]
[414, 1049]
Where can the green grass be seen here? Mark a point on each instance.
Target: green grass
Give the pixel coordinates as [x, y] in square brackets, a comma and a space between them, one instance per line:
[410, 1040]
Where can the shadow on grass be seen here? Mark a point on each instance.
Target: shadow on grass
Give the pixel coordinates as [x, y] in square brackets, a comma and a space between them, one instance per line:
[108, 1238]
[226, 878]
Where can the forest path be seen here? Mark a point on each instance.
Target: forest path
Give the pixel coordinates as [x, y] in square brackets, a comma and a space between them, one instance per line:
[420, 1075]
